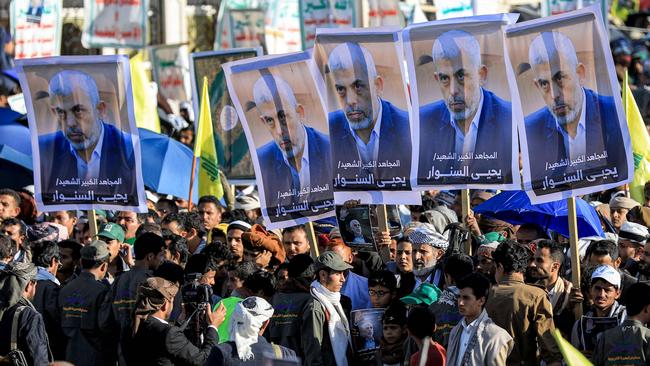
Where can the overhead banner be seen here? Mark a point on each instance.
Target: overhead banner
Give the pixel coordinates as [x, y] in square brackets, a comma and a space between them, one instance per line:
[281, 109]
[171, 71]
[368, 113]
[463, 130]
[567, 102]
[232, 148]
[36, 28]
[118, 24]
[86, 147]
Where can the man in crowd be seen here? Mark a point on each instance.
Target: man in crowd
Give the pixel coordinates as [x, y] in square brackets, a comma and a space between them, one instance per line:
[7, 250]
[211, 211]
[17, 288]
[9, 204]
[234, 236]
[67, 219]
[326, 331]
[263, 248]
[294, 239]
[113, 235]
[485, 261]
[69, 259]
[428, 249]
[196, 230]
[421, 325]
[631, 240]
[404, 267]
[644, 264]
[605, 252]
[130, 221]
[476, 340]
[629, 341]
[604, 290]
[175, 223]
[355, 286]
[17, 231]
[80, 303]
[382, 288]
[619, 206]
[524, 311]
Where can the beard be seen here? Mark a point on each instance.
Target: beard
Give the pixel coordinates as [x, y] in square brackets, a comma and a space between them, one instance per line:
[85, 144]
[572, 113]
[467, 112]
[425, 269]
[362, 124]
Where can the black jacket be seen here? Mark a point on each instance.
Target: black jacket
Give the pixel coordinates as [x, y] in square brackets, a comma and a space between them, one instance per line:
[32, 338]
[225, 354]
[46, 302]
[161, 344]
[286, 323]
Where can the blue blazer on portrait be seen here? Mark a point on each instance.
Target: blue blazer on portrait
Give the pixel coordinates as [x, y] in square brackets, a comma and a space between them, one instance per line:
[546, 142]
[438, 136]
[117, 161]
[394, 144]
[276, 174]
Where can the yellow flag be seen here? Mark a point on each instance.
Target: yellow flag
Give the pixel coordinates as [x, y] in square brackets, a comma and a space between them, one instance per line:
[640, 145]
[205, 149]
[146, 113]
[572, 357]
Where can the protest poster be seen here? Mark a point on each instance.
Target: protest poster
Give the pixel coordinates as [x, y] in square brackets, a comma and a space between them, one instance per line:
[118, 24]
[366, 331]
[281, 110]
[446, 9]
[36, 28]
[362, 77]
[567, 101]
[86, 147]
[232, 148]
[392, 216]
[355, 226]
[240, 24]
[463, 128]
[170, 68]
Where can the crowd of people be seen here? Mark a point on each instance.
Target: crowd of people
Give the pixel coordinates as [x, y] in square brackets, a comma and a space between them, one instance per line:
[212, 286]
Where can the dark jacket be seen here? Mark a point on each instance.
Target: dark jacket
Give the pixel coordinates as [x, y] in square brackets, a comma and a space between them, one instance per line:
[629, 341]
[289, 303]
[32, 337]
[46, 302]
[117, 161]
[316, 344]
[277, 175]
[494, 135]
[394, 145]
[225, 354]
[546, 145]
[79, 303]
[160, 343]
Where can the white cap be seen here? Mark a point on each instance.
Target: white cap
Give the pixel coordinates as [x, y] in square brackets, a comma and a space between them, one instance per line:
[427, 234]
[247, 202]
[607, 273]
[633, 232]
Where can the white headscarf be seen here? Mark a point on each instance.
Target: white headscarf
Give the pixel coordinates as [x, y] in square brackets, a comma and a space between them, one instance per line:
[245, 324]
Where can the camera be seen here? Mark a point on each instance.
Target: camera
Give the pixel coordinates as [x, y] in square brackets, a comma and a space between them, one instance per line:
[195, 293]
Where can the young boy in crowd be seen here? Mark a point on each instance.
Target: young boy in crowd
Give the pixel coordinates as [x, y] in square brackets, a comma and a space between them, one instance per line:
[394, 335]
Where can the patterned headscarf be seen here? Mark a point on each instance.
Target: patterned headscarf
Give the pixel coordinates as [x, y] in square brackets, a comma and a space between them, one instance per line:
[245, 324]
[13, 280]
[152, 295]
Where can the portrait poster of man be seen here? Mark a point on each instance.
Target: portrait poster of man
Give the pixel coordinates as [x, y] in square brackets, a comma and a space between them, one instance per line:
[366, 331]
[367, 103]
[356, 229]
[573, 133]
[232, 148]
[86, 147]
[463, 128]
[281, 110]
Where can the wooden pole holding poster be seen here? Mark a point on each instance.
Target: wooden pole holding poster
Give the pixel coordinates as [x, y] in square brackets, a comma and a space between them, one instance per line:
[92, 223]
[575, 255]
[313, 241]
[382, 223]
[464, 200]
[189, 199]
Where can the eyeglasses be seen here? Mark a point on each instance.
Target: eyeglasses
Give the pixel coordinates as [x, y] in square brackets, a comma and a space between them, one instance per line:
[379, 293]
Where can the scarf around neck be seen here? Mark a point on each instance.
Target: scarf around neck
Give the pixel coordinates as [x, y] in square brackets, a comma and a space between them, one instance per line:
[337, 324]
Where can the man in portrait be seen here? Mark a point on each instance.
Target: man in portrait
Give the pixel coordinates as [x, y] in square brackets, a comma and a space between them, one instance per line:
[297, 158]
[85, 146]
[366, 128]
[576, 126]
[469, 122]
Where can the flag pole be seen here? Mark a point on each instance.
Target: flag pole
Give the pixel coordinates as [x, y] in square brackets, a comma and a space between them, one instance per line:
[92, 223]
[573, 249]
[464, 200]
[189, 199]
[313, 241]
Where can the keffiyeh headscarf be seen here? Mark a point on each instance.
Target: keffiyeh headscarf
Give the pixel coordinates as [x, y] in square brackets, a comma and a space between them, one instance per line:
[245, 324]
[152, 295]
[13, 280]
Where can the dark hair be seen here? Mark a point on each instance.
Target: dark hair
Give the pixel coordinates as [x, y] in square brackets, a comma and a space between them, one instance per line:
[153, 215]
[395, 314]
[148, 243]
[556, 249]
[13, 194]
[179, 218]
[148, 227]
[290, 229]
[218, 252]
[210, 199]
[458, 265]
[478, 282]
[170, 271]
[242, 271]
[92, 264]
[602, 247]
[168, 204]
[193, 220]
[14, 221]
[539, 232]
[71, 244]
[637, 298]
[383, 278]
[261, 281]
[43, 252]
[421, 322]
[178, 246]
[512, 256]
[199, 263]
[301, 265]
[7, 246]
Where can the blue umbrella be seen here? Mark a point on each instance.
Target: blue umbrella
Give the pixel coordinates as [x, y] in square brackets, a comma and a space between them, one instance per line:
[166, 165]
[514, 207]
[14, 134]
[16, 168]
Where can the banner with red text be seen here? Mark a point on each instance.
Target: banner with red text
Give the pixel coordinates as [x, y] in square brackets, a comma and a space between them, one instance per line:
[170, 65]
[115, 23]
[36, 28]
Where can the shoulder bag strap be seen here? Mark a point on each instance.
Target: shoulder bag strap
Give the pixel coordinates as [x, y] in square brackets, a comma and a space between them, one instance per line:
[14, 329]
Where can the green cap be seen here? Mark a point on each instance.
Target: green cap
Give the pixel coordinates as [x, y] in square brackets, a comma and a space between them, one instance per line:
[333, 261]
[493, 236]
[112, 231]
[95, 251]
[425, 294]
